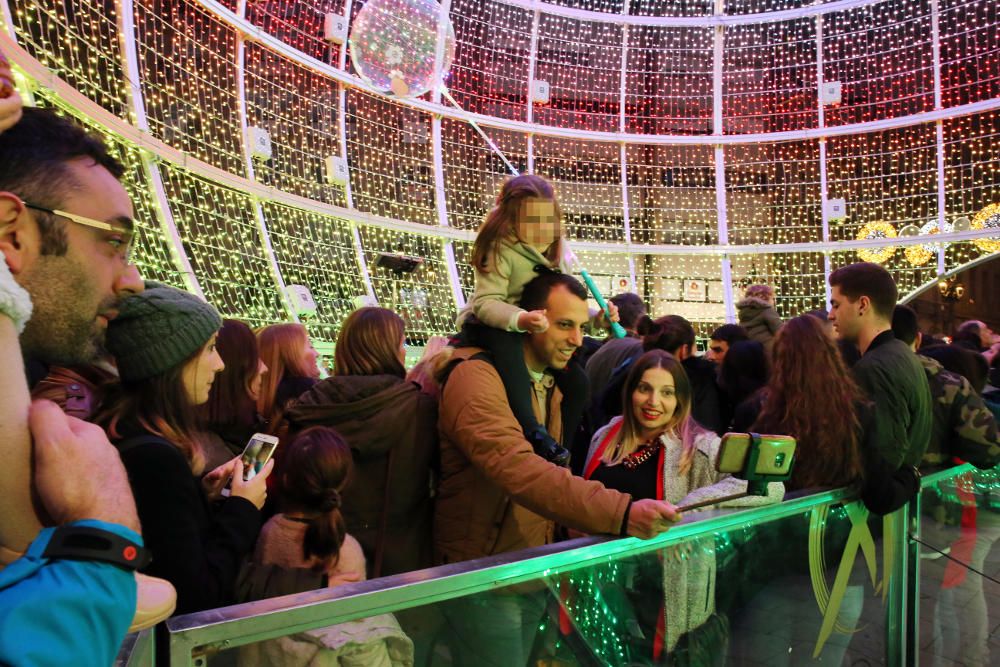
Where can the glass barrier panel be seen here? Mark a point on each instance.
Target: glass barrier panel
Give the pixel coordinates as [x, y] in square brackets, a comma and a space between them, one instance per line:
[807, 588]
[137, 650]
[959, 568]
[801, 582]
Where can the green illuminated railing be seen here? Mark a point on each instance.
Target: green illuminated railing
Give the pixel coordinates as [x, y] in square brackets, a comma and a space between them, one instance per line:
[812, 578]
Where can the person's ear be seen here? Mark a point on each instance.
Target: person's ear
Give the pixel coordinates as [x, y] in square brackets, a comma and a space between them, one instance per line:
[918, 340]
[864, 305]
[14, 227]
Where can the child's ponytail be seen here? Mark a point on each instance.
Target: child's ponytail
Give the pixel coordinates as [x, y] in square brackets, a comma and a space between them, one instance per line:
[325, 531]
[314, 470]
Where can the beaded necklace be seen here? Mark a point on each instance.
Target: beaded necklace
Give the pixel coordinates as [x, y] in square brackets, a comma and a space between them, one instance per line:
[642, 454]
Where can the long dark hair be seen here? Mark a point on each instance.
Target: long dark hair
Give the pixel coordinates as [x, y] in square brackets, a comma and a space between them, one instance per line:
[230, 403]
[160, 405]
[368, 344]
[315, 468]
[812, 397]
[744, 370]
[282, 347]
[501, 221]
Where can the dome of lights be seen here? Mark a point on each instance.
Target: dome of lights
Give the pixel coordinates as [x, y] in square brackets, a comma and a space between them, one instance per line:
[697, 146]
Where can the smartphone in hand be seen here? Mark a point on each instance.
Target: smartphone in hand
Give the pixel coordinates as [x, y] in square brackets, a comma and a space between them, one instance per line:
[255, 456]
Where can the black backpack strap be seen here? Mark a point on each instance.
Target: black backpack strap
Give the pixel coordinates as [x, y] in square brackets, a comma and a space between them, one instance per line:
[479, 356]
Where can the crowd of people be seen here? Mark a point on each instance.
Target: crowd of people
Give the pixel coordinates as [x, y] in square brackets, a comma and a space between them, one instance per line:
[125, 497]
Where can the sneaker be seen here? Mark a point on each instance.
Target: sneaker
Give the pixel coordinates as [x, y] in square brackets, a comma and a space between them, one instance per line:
[155, 601]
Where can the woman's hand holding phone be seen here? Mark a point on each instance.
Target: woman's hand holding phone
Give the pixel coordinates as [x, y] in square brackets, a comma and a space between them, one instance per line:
[254, 490]
[215, 481]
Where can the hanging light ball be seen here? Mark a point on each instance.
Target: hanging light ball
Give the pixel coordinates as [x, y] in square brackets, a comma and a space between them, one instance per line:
[918, 255]
[962, 224]
[394, 45]
[877, 230]
[988, 218]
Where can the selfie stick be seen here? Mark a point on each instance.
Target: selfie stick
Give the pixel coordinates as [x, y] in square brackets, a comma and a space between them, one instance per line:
[715, 501]
[574, 263]
[756, 483]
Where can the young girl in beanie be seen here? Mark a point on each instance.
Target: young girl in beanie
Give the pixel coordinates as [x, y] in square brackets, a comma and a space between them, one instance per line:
[163, 341]
[309, 534]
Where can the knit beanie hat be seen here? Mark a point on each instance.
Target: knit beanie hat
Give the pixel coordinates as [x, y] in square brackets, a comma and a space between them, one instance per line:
[158, 330]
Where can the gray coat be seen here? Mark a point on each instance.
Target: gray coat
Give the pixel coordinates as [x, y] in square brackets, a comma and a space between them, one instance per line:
[689, 568]
[760, 320]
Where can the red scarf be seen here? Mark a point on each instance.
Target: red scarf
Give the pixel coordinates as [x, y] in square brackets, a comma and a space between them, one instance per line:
[613, 432]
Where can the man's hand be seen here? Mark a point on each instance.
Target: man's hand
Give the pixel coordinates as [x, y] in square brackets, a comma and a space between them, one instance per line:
[533, 321]
[78, 473]
[604, 320]
[648, 518]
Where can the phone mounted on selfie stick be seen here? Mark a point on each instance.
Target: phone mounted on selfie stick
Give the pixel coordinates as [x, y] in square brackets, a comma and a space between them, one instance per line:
[759, 459]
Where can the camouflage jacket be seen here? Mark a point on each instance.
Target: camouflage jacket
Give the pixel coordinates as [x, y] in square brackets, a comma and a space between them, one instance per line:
[962, 426]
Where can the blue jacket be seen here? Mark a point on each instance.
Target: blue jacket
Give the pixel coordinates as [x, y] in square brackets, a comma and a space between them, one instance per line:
[65, 612]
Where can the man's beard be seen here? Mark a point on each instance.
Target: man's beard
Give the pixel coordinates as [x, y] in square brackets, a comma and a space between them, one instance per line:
[62, 341]
[63, 329]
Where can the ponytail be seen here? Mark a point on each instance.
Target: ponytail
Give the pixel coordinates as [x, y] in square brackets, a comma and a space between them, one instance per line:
[315, 469]
[667, 333]
[325, 532]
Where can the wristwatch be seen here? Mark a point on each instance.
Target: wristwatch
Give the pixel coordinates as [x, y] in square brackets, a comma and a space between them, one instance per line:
[87, 543]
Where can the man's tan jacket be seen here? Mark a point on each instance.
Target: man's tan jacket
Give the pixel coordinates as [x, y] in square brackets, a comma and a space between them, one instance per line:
[496, 495]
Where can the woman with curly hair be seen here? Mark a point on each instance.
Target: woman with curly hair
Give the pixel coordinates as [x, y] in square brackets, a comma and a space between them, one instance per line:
[834, 447]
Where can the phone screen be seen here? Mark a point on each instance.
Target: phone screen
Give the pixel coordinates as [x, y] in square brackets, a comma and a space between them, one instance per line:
[255, 456]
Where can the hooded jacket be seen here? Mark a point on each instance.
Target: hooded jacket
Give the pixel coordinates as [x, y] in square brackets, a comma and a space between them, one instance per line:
[759, 318]
[377, 414]
[962, 425]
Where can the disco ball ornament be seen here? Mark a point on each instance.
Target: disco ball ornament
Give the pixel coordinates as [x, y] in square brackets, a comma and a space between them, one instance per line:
[988, 218]
[877, 230]
[394, 44]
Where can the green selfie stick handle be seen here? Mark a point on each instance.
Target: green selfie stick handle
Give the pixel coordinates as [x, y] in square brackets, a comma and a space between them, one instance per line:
[617, 329]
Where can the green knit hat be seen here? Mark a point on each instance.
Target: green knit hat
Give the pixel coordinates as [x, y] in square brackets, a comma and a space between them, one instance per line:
[158, 330]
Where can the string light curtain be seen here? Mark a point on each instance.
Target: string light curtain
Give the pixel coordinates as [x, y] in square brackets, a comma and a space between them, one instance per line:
[643, 137]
